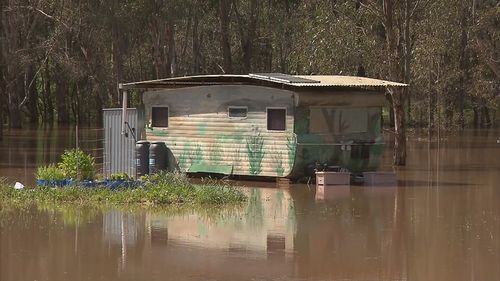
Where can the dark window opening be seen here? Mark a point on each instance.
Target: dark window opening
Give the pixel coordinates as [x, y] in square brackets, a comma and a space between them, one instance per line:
[360, 152]
[276, 119]
[159, 117]
[237, 112]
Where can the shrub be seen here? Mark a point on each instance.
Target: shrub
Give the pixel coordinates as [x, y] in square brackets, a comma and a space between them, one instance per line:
[120, 176]
[50, 172]
[77, 165]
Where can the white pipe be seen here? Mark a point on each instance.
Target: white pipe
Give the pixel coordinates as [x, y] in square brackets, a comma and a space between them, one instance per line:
[124, 112]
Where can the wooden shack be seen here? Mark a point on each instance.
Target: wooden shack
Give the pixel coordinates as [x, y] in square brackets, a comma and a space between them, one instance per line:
[272, 124]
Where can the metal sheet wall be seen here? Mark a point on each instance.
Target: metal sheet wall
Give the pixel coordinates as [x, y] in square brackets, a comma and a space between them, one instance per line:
[119, 150]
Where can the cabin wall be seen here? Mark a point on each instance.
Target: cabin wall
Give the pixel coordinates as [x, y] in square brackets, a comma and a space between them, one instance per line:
[341, 129]
[200, 131]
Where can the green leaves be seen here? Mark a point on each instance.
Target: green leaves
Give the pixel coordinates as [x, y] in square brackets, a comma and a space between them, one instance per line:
[50, 172]
[78, 165]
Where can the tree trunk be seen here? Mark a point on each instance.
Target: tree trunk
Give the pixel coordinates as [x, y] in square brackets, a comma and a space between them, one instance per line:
[430, 104]
[61, 100]
[224, 39]
[395, 51]
[48, 94]
[399, 126]
[171, 59]
[196, 43]
[247, 34]
[116, 48]
[485, 117]
[407, 57]
[31, 103]
[14, 90]
[464, 64]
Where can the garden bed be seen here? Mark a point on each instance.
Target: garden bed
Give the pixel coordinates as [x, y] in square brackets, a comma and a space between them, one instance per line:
[73, 180]
[161, 189]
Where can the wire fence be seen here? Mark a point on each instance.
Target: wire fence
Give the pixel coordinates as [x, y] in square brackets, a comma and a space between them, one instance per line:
[91, 141]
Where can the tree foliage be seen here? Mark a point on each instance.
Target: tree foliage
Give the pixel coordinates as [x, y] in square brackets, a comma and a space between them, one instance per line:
[60, 61]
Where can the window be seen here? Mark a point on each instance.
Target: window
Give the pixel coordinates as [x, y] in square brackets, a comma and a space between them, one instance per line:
[276, 119]
[159, 117]
[237, 112]
[338, 121]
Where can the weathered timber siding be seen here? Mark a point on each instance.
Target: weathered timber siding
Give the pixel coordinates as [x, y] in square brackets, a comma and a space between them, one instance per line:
[200, 130]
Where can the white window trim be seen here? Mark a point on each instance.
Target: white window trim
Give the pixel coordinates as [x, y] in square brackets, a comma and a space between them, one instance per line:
[237, 107]
[286, 114]
[151, 116]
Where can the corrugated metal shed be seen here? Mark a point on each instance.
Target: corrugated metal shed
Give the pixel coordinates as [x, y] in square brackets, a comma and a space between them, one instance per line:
[274, 79]
[119, 151]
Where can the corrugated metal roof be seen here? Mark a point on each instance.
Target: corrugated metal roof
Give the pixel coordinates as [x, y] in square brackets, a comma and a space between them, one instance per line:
[347, 81]
[275, 78]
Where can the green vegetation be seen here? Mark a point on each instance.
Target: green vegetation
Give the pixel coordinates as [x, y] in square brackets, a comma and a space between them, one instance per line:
[50, 172]
[447, 50]
[78, 165]
[278, 160]
[120, 176]
[161, 189]
[291, 147]
[75, 164]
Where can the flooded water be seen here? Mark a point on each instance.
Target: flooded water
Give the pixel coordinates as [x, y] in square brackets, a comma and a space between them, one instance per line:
[440, 221]
[22, 151]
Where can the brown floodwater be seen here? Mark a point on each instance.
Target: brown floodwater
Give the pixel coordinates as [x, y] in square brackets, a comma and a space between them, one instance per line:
[440, 221]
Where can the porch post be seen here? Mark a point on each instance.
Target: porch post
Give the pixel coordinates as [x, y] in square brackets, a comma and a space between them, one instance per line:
[124, 113]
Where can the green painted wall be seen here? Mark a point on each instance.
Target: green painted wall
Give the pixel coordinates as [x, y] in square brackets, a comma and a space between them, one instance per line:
[200, 131]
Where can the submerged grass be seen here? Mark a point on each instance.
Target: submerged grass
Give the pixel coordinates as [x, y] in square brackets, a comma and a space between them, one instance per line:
[162, 189]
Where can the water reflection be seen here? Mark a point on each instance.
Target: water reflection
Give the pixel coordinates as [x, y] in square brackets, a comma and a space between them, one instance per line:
[440, 222]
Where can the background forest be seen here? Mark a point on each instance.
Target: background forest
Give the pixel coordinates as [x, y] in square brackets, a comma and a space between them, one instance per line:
[61, 60]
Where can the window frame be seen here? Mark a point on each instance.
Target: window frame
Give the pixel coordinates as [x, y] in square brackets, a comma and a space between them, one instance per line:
[168, 116]
[237, 107]
[267, 118]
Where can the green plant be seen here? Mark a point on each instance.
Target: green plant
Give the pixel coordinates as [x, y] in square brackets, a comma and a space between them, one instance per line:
[255, 152]
[120, 176]
[50, 172]
[78, 165]
[278, 159]
[291, 147]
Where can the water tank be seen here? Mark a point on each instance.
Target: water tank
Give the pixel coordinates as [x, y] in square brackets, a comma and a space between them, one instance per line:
[157, 157]
[142, 158]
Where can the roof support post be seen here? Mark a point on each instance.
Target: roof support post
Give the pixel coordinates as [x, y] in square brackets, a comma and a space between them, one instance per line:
[124, 113]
